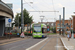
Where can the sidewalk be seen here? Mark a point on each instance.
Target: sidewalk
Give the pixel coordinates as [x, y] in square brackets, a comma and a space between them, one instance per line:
[12, 39]
[69, 45]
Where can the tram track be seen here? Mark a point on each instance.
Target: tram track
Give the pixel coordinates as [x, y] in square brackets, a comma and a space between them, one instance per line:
[45, 43]
[57, 44]
[52, 43]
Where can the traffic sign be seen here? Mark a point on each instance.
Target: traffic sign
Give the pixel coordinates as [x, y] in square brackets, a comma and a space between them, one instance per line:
[48, 29]
[9, 20]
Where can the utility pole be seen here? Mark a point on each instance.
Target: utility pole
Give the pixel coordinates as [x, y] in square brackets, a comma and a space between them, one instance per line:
[22, 18]
[63, 20]
[70, 24]
[60, 24]
[72, 27]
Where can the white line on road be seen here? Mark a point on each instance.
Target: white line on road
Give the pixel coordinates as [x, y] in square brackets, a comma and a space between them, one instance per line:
[64, 44]
[36, 44]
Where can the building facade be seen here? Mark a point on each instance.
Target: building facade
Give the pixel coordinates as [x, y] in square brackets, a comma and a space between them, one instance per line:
[51, 24]
[5, 12]
[67, 25]
[73, 22]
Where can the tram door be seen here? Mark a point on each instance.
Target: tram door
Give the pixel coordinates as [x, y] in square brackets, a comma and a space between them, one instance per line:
[42, 30]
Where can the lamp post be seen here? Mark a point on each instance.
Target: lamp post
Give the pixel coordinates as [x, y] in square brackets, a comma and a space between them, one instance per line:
[42, 17]
[22, 17]
[18, 22]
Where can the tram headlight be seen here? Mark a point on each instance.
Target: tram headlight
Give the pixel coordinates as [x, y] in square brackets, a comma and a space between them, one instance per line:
[34, 34]
[39, 34]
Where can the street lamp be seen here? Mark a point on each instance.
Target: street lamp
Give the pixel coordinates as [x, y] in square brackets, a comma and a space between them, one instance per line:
[42, 17]
[22, 17]
[18, 21]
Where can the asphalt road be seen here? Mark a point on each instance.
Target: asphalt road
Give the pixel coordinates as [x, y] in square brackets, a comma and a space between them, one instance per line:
[53, 42]
[20, 45]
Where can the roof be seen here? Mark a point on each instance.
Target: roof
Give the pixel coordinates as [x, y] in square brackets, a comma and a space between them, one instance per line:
[64, 20]
[5, 8]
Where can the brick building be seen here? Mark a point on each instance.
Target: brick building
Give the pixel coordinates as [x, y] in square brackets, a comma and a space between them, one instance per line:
[51, 24]
[66, 23]
[73, 22]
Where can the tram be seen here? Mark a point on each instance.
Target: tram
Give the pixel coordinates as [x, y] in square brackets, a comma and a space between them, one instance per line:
[38, 30]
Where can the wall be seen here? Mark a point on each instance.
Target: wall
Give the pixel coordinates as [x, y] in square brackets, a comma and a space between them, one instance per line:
[2, 26]
[58, 26]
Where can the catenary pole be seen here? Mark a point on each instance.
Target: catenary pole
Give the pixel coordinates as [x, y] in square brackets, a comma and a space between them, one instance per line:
[60, 24]
[63, 20]
[22, 18]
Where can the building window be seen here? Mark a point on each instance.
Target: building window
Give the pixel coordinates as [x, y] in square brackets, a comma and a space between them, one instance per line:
[57, 29]
[66, 29]
[66, 23]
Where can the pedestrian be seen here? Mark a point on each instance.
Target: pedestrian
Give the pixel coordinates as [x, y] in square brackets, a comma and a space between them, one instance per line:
[68, 34]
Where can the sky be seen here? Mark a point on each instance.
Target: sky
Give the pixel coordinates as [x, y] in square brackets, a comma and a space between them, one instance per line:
[45, 5]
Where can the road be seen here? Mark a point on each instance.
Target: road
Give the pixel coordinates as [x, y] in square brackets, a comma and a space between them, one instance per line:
[51, 43]
[19, 45]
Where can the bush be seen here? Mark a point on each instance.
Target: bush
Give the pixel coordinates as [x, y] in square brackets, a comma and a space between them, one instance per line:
[28, 34]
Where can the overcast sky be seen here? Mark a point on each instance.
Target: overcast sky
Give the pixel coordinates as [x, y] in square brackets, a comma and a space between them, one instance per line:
[45, 5]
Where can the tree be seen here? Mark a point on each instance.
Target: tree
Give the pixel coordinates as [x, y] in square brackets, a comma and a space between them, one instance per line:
[53, 29]
[27, 19]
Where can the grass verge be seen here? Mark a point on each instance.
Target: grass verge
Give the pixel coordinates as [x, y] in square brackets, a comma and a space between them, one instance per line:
[51, 33]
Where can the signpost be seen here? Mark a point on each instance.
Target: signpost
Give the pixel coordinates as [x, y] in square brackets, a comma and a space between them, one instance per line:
[8, 24]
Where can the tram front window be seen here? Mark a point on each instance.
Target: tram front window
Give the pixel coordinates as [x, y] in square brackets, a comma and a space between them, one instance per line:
[37, 28]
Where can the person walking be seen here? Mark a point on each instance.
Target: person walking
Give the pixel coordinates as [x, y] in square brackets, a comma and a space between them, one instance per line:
[68, 34]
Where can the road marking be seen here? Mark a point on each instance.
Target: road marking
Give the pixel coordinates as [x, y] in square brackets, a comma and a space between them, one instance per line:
[11, 42]
[64, 44]
[57, 43]
[36, 44]
[45, 44]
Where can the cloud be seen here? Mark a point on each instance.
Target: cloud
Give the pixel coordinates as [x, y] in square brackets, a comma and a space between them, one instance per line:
[45, 5]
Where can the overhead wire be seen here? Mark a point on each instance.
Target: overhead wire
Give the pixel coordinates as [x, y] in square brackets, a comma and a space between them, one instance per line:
[54, 9]
[30, 5]
[46, 4]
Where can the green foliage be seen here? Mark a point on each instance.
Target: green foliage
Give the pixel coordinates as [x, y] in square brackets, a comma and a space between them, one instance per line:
[51, 33]
[27, 19]
[53, 29]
